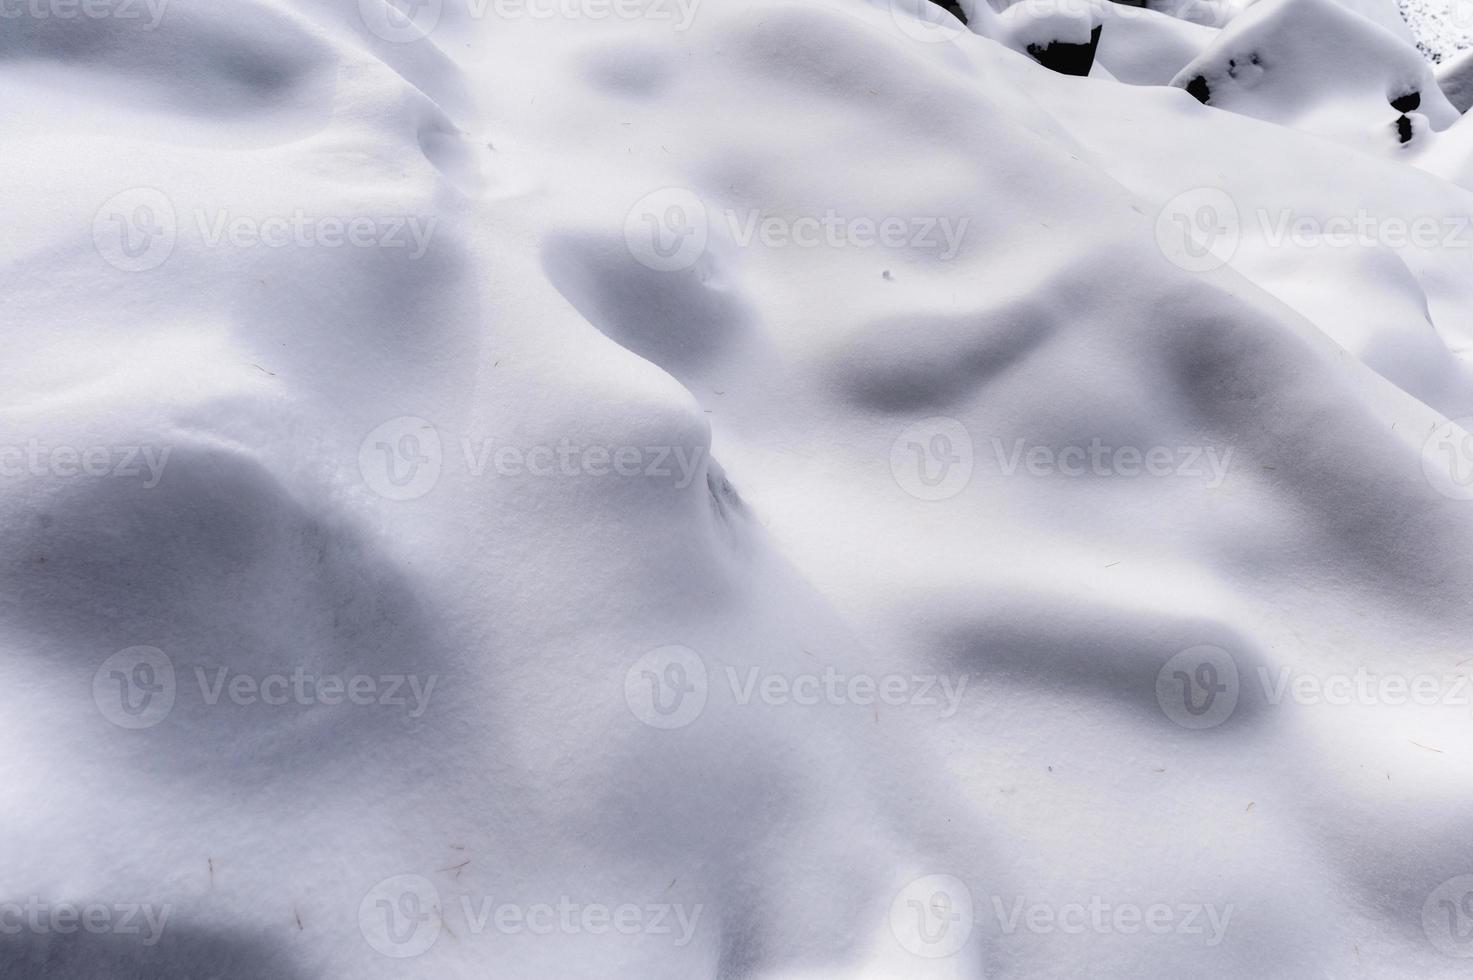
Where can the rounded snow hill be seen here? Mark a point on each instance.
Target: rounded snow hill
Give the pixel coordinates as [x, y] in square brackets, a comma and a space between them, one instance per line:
[1316, 65]
[1142, 46]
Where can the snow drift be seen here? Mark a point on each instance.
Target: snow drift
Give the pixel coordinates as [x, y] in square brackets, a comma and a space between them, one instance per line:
[781, 488]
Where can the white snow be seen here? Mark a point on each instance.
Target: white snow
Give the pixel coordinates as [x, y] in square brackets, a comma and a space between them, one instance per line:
[1443, 28]
[740, 488]
[1317, 66]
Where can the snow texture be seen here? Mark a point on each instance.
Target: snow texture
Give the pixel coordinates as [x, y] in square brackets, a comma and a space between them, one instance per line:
[750, 488]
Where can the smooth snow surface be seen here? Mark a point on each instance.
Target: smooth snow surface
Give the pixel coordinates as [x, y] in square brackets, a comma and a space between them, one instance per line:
[748, 488]
[1455, 78]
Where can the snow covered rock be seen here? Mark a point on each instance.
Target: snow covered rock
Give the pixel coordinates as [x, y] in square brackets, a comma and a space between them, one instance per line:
[1317, 66]
[1060, 36]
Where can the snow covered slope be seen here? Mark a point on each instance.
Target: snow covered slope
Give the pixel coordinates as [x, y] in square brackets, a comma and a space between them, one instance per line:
[1317, 66]
[749, 488]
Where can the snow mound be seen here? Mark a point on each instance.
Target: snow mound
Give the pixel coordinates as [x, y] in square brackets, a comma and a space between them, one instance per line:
[764, 488]
[1141, 46]
[1070, 37]
[1204, 13]
[1316, 66]
[1320, 68]
[1385, 14]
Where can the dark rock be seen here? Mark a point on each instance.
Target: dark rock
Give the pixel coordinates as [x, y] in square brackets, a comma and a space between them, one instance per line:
[1198, 89]
[950, 5]
[1067, 59]
[1404, 129]
[1407, 103]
